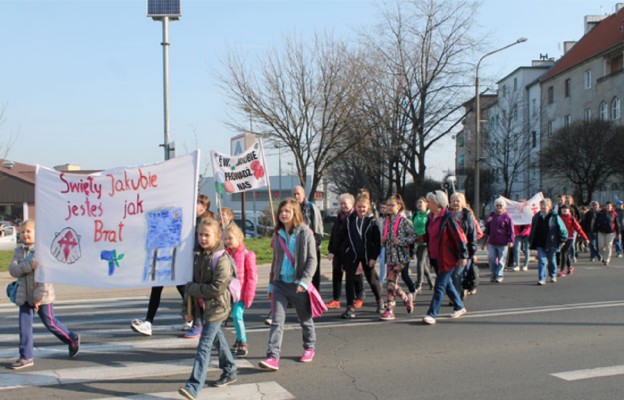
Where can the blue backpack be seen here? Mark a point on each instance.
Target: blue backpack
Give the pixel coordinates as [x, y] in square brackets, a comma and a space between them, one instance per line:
[11, 290]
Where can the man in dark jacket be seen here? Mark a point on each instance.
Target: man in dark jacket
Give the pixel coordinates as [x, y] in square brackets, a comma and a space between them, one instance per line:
[589, 226]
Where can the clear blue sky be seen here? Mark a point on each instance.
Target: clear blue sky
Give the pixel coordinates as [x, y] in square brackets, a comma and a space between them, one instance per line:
[82, 79]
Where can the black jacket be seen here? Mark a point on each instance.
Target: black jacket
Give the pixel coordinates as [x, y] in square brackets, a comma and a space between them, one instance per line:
[370, 235]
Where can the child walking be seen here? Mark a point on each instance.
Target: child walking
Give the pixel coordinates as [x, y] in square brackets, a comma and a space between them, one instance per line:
[362, 250]
[34, 297]
[292, 269]
[213, 270]
[398, 234]
[248, 275]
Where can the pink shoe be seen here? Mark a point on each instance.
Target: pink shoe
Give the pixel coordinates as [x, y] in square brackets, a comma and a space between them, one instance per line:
[387, 315]
[570, 270]
[561, 274]
[271, 363]
[308, 355]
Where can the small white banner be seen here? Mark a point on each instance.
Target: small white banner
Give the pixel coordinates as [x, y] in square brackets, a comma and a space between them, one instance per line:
[120, 228]
[240, 173]
[522, 212]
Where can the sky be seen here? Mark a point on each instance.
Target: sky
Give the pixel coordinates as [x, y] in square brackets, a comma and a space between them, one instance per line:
[81, 81]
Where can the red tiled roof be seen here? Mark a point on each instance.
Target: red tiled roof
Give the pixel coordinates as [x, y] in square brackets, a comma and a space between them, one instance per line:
[606, 34]
[25, 172]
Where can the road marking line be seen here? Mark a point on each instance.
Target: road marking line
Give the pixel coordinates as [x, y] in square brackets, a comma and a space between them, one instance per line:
[590, 373]
[121, 370]
[249, 391]
[109, 347]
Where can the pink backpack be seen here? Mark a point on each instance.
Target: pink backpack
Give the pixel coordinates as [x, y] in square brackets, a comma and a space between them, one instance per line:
[234, 286]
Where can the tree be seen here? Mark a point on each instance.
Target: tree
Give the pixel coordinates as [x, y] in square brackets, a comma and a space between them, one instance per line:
[5, 144]
[302, 97]
[587, 154]
[423, 49]
[508, 139]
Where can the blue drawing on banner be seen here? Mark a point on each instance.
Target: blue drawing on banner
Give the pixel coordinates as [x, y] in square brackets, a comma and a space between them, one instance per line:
[164, 231]
[113, 260]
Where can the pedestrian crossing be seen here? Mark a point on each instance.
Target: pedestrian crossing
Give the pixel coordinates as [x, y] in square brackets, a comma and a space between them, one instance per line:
[112, 354]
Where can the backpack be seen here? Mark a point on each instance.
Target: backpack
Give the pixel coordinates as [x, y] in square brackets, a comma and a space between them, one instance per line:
[395, 228]
[11, 290]
[234, 286]
[604, 222]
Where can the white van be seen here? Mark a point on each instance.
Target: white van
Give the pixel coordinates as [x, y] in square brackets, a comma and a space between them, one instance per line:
[8, 238]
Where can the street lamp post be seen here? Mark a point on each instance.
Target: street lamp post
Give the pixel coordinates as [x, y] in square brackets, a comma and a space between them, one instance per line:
[165, 11]
[477, 178]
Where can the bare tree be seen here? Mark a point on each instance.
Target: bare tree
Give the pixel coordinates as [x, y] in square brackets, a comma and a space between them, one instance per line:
[425, 46]
[587, 153]
[302, 97]
[508, 139]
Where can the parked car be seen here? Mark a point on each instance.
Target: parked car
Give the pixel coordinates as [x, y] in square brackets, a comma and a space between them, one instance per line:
[8, 238]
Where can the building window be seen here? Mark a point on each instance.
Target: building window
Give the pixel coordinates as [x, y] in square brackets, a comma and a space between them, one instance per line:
[533, 139]
[588, 114]
[603, 111]
[615, 108]
[504, 90]
[567, 120]
[549, 128]
[515, 84]
[460, 140]
[460, 161]
[551, 95]
[567, 87]
[534, 106]
[615, 63]
[588, 79]
[515, 112]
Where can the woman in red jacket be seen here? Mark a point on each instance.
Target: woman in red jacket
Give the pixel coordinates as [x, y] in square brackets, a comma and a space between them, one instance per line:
[447, 250]
[572, 226]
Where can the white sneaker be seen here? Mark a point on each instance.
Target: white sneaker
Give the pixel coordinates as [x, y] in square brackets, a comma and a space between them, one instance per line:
[187, 326]
[429, 320]
[142, 327]
[458, 313]
[553, 279]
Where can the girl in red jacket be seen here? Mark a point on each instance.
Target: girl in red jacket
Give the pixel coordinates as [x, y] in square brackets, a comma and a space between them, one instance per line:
[248, 275]
[572, 226]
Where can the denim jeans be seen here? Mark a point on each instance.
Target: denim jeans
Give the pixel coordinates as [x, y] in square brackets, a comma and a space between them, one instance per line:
[457, 274]
[546, 257]
[443, 284]
[594, 249]
[238, 310]
[497, 258]
[46, 313]
[521, 244]
[211, 334]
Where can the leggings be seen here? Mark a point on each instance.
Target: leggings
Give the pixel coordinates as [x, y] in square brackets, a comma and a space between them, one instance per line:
[392, 287]
[154, 301]
[239, 325]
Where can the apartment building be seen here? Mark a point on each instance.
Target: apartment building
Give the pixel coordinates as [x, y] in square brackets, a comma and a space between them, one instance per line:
[587, 82]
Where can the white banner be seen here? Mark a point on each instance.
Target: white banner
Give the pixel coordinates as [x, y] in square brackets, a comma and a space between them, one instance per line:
[522, 212]
[121, 228]
[240, 173]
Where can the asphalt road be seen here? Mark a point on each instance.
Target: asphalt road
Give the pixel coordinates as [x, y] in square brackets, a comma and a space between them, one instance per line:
[518, 341]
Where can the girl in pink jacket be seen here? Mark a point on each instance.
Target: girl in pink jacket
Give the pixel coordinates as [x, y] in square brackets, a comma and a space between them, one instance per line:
[248, 275]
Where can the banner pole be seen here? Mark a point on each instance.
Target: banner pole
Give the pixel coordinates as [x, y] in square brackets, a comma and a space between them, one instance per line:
[268, 183]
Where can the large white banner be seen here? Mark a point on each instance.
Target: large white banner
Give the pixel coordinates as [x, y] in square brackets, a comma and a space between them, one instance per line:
[522, 212]
[121, 228]
[239, 173]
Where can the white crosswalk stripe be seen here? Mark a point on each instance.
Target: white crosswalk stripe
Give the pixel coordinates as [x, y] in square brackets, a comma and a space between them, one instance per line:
[104, 326]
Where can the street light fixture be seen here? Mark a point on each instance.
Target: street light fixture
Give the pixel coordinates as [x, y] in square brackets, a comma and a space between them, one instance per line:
[476, 205]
